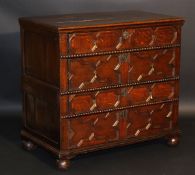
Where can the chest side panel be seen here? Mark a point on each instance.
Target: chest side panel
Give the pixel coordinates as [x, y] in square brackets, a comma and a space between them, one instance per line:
[41, 57]
[40, 84]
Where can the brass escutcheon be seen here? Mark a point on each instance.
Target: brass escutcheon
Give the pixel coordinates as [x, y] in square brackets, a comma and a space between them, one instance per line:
[125, 35]
[123, 57]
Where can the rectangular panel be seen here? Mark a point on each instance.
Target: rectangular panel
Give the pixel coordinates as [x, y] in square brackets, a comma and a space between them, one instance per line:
[41, 57]
[110, 40]
[108, 70]
[117, 98]
[41, 109]
[42, 118]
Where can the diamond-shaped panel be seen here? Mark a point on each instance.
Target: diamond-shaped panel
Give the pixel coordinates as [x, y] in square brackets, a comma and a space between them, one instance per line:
[150, 120]
[96, 129]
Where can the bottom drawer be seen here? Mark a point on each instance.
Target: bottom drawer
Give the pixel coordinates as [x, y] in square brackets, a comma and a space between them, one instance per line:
[138, 122]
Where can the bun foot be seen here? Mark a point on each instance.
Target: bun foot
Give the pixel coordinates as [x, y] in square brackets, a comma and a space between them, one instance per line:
[173, 140]
[63, 164]
[28, 145]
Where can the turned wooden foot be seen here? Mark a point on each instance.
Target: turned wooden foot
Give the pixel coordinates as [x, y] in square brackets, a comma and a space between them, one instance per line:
[63, 164]
[28, 145]
[173, 140]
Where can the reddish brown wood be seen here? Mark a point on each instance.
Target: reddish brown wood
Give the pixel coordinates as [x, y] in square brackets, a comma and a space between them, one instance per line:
[152, 65]
[120, 97]
[122, 39]
[138, 123]
[97, 81]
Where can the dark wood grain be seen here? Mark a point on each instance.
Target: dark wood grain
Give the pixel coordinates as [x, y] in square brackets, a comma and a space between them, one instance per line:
[97, 20]
[99, 80]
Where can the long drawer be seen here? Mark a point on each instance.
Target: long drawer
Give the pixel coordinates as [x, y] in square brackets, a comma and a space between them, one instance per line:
[120, 39]
[108, 70]
[113, 99]
[109, 127]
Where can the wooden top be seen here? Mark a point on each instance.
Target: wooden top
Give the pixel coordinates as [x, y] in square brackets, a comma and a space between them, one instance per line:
[103, 19]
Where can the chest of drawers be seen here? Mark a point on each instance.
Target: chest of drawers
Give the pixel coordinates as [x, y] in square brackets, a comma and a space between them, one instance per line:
[99, 80]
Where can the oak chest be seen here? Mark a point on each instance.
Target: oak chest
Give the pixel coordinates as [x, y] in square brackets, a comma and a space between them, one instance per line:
[99, 80]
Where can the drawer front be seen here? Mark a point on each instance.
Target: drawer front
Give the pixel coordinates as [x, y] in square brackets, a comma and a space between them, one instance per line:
[151, 120]
[77, 104]
[88, 131]
[91, 130]
[100, 41]
[100, 71]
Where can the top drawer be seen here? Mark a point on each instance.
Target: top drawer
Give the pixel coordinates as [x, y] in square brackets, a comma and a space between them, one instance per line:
[111, 40]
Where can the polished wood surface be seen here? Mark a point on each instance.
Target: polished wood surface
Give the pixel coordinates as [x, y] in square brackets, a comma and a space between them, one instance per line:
[94, 20]
[96, 81]
[125, 38]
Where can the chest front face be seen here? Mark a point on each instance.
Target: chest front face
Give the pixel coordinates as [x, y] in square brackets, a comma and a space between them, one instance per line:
[96, 81]
[118, 84]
